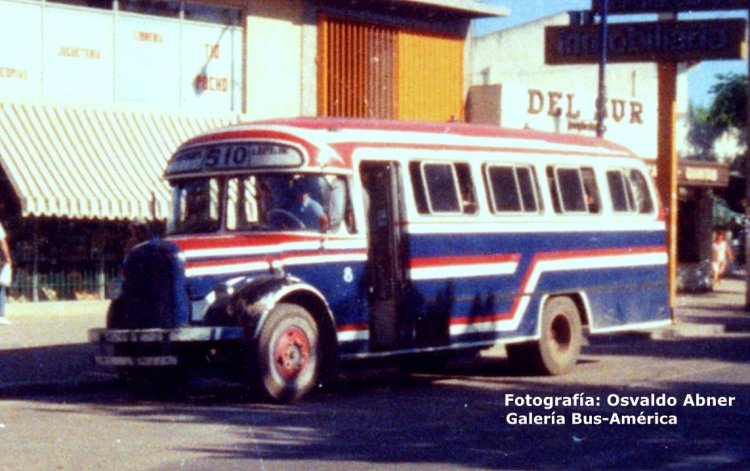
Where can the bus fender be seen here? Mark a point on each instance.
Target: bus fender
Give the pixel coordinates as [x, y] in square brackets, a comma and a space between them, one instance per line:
[253, 303]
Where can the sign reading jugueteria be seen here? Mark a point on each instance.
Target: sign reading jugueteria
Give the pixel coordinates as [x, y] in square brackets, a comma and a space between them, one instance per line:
[661, 41]
[664, 6]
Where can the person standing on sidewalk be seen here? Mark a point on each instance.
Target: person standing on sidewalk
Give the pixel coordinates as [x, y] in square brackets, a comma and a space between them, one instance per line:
[6, 263]
[721, 255]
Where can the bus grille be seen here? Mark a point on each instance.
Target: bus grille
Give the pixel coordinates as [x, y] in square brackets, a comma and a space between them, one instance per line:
[153, 289]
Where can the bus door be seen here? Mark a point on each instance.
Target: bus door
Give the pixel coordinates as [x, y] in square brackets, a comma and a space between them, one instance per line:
[381, 192]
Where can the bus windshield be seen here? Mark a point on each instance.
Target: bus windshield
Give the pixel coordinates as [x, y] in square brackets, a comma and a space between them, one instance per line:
[261, 202]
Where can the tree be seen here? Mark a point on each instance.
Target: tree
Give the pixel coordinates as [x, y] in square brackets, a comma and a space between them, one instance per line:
[721, 128]
[701, 135]
[729, 108]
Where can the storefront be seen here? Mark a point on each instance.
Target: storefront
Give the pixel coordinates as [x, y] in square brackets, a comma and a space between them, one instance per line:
[697, 221]
[95, 95]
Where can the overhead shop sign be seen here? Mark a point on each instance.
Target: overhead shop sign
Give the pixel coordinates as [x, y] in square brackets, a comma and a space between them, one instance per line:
[703, 174]
[662, 41]
[665, 6]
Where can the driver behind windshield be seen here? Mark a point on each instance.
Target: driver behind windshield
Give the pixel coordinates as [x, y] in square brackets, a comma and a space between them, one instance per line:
[309, 211]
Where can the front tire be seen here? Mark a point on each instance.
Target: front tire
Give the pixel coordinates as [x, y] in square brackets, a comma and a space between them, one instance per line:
[288, 353]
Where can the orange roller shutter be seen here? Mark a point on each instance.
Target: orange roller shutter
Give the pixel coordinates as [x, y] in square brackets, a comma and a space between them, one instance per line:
[430, 77]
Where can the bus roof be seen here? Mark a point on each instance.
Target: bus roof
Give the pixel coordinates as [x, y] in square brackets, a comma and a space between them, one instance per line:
[331, 141]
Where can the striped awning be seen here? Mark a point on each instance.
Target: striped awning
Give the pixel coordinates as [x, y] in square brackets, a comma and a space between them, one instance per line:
[92, 163]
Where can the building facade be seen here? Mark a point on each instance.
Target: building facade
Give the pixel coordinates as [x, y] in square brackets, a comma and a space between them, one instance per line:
[96, 94]
[512, 86]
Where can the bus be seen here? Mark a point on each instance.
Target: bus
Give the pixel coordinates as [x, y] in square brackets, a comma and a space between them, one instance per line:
[295, 245]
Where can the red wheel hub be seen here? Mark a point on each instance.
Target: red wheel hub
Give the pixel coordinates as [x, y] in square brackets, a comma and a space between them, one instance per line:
[291, 353]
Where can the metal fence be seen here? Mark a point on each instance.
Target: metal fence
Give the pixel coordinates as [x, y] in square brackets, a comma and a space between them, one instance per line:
[61, 285]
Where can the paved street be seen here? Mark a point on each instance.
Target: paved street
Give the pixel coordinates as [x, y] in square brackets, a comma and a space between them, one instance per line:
[57, 412]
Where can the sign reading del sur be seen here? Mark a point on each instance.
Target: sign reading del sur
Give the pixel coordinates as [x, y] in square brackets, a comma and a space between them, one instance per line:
[660, 41]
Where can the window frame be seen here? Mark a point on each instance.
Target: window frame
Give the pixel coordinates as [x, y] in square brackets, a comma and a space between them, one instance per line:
[627, 191]
[425, 187]
[645, 189]
[559, 193]
[519, 193]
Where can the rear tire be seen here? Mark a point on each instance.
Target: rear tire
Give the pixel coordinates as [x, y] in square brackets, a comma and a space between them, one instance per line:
[288, 353]
[558, 348]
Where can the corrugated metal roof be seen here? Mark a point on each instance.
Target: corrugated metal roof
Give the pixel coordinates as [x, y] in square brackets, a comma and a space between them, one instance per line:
[472, 8]
[92, 163]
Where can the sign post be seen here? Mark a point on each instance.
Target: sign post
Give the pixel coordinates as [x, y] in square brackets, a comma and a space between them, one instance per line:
[666, 164]
[747, 183]
[601, 100]
[666, 43]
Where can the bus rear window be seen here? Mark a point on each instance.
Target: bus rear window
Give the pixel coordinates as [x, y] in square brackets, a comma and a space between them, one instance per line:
[620, 192]
[643, 202]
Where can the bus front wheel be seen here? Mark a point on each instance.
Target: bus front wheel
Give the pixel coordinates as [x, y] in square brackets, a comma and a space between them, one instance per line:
[288, 353]
[561, 337]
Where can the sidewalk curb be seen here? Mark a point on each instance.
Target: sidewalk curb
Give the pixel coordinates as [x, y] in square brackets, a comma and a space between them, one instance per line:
[682, 330]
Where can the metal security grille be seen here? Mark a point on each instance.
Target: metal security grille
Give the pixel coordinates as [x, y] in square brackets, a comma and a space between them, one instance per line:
[358, 69]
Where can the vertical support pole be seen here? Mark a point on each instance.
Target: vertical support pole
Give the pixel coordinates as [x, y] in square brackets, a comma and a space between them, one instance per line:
[35, 263]
[601, 99]
[666, 166]
[101, 280]
[747, 180]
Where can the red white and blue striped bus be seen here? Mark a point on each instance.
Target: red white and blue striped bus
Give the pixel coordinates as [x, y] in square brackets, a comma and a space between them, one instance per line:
[296, 244]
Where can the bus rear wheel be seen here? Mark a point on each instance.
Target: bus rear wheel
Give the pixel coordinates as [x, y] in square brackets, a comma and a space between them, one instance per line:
[288, 353]
[557, 350]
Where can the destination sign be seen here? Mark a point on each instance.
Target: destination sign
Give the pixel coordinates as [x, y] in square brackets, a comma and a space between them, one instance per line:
[665, 6]
[233, 156]
[660, 41]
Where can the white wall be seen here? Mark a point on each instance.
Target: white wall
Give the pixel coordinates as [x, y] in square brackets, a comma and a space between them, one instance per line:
[515, 59]
[274, 59]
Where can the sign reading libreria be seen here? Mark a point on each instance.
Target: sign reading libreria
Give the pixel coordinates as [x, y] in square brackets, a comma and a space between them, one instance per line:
[86, 56]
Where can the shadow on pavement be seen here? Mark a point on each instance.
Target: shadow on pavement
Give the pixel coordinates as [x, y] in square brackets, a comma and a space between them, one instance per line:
[46, 365]
[458, 418]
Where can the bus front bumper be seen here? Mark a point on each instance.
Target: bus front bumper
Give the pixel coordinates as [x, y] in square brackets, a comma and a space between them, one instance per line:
[155, 347]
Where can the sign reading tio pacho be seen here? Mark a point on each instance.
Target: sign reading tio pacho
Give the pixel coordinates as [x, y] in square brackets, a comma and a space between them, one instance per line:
[662, 41]
[233, 156]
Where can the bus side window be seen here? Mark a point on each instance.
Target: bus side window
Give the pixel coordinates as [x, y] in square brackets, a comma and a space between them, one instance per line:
[339, 211]
[620, 192]
[569, 185]
[442, 188]
[574, 190]
[553, 190]
[527, 184]
[593, 201]
[466, 186]
[415, 173]
[512, 189]
[643, 202]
